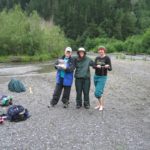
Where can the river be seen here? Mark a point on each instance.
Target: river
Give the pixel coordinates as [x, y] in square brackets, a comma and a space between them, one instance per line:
[17, 69]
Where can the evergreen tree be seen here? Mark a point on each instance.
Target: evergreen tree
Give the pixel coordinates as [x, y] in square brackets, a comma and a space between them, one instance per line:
[81, 19]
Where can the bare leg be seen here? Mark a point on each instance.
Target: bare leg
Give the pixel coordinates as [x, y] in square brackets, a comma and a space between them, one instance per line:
[98, 104]
[101, 101]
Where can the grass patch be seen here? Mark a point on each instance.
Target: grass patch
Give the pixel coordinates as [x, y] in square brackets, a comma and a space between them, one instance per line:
[25, 58]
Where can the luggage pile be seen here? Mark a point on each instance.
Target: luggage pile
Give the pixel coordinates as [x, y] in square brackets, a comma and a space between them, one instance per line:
[9, 111]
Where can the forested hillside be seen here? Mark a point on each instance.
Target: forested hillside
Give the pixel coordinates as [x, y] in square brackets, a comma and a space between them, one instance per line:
[86, 20]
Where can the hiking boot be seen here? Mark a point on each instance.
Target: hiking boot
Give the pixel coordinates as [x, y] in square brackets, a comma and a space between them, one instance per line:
[87, 107]
[51, 104]
[65, 106]
[78, 106]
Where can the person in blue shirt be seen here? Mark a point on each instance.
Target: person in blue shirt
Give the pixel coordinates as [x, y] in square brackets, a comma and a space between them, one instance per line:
[64, 78]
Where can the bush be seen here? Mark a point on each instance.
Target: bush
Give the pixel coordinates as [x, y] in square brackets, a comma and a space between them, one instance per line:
[146, 41]
[115, 46]
[133, 45]
[21, 34]
[54, 40]
[112, 45]
[92, 44]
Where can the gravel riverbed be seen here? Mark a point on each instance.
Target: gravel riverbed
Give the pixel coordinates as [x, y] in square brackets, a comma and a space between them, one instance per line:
[123, 125]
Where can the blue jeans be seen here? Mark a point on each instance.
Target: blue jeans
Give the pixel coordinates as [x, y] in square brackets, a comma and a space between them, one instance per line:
[99, 82]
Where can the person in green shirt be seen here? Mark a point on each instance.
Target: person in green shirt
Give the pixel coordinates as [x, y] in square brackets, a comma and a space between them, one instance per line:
[82, 78]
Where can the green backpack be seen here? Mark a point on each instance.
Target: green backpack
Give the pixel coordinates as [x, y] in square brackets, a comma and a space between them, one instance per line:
[6, 100]
[16, 86]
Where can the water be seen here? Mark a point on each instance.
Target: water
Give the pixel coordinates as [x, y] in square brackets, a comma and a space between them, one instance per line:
[46, 68]
[13, 69]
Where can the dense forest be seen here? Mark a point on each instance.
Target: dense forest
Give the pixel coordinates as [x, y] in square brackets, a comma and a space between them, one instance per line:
[122, 25]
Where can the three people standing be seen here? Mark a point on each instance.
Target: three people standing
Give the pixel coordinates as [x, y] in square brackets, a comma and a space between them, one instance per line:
[81, 63]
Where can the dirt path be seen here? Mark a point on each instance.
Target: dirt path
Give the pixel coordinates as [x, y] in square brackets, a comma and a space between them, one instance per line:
[124, 124]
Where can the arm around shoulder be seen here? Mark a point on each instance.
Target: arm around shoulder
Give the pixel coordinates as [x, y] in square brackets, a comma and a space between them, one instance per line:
[70, 65]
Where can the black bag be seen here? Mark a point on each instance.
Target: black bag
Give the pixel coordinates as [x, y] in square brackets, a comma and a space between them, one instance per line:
[17, 113]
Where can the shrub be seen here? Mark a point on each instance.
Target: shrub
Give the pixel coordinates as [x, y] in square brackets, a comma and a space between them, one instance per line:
[133, 45]
[21, 34]
[112, 45]
[146, 41]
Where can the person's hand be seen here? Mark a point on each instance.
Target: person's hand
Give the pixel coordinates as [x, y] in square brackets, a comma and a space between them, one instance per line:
[107, 66]
[63, 67]
[98, 66]
[60, 66]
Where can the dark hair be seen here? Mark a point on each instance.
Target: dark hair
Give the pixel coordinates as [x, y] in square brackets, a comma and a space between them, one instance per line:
[81, 51]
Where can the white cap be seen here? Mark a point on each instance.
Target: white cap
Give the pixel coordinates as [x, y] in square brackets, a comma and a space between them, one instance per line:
[68, 49]
[81, 49]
